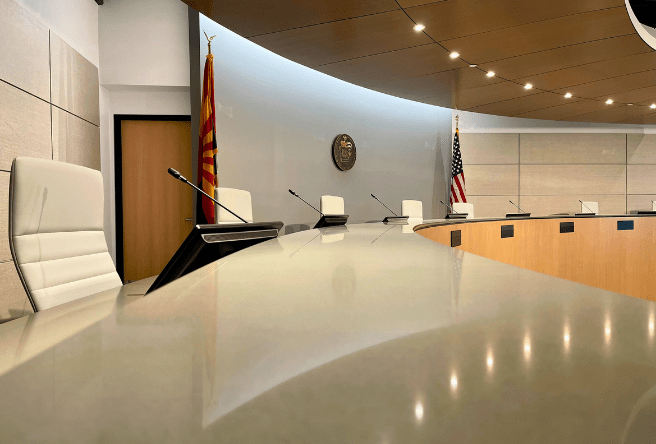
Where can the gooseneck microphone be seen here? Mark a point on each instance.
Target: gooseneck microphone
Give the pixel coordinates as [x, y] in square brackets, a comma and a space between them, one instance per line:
[179, 176]
[449, 207]
[385, 206]
[296, 195]
[588, 207]
[518, 207]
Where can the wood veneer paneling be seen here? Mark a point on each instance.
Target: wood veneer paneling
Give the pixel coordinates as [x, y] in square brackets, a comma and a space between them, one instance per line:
[572, 148]
[523, 104]
[24, 58]
[573, 180]
[469, 98]
[492, 180]
[5, 254]
[596, 254]
[13, 299]
[75, 140]
[606, 88]
[544, 35]
[24, 126]
[479, 148]
[457, 18]
[74, 81]
[611, 114]
[337, 41]
[641, 148]
[566, 110]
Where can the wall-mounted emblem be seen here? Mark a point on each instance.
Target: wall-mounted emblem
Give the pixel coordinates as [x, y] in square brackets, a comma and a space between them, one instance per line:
[344, 152]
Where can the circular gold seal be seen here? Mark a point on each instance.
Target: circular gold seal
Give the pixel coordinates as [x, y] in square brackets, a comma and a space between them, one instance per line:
[344, 152]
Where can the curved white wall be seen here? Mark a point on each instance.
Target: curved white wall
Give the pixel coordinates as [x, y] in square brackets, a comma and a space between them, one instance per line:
[276, 121]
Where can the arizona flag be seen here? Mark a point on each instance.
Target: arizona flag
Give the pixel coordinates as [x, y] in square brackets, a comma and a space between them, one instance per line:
[458, 193]
[207, 179]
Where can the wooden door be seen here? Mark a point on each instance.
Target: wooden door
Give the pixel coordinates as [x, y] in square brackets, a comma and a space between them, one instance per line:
[157, 209]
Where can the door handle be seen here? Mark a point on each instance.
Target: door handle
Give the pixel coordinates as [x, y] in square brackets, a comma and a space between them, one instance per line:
[189, 219]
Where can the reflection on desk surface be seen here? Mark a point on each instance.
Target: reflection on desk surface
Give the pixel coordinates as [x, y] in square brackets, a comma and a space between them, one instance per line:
[398, 340]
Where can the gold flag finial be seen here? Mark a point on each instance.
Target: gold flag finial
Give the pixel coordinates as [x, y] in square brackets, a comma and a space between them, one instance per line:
[209, 42]
[457, 117]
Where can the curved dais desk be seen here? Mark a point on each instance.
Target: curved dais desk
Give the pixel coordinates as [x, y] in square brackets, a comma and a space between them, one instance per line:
[369, 333]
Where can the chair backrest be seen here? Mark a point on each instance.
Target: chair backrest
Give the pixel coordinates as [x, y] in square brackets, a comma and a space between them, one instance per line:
[412, 208]
[653, 205]
[332, 205]
[239, 201]
[590, 207]
[468, 208]
[56, 232]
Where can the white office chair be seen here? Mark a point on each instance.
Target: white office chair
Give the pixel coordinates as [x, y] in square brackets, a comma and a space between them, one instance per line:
[590, 207]
[653, 205]
[332, 205]
[56, 232]
[468, 208]
[412, 208]
[239, 201]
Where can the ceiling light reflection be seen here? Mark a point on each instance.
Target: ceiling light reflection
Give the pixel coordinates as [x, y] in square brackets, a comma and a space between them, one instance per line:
[419, 411]
[490, 361]
[527, 347]
[607, 330]
[566, 337]
[454, 381]
[419, 27]
[651, 325]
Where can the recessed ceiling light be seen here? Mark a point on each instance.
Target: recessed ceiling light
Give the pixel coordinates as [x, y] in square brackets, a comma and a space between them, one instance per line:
[568, 95]
[454, 55]
[528, 86]
[630, 104]
[609, 101]
[418, 27]
[653, 106]
[490, 74]
[472, 66]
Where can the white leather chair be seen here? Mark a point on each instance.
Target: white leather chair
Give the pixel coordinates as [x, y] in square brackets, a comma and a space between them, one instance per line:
[653, 205]
[239, 201]
[590, 207]
[332, 205]
[468, 208]
[412, 208]
[56, 232]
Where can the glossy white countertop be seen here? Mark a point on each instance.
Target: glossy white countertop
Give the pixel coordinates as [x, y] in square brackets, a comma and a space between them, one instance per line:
[359, 334]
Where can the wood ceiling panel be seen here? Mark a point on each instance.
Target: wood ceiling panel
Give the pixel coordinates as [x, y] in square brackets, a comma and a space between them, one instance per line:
[254, 17]
[646, 119]
[559, 58]
[607, 87]
[392, 66]
[348, 39]
[593, 71]
[439, 84]
[641, 96]
[520, 105]
[469, 98]
[612, 114]
[540, 36]
[562, 112]
[459, 18]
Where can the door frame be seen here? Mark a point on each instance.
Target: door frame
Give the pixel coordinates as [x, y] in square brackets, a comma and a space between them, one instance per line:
[118, 174]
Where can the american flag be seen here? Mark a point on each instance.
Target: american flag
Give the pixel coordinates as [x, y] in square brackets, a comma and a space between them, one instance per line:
[458, 193]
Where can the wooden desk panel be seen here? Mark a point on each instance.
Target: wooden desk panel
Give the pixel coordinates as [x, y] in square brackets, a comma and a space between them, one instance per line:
[595, 254]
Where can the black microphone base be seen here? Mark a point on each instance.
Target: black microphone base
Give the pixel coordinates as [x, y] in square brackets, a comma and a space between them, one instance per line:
[395, 219]
[208, 243]
[456, 216]
[517, 215]
[330, 220]
[585, 214]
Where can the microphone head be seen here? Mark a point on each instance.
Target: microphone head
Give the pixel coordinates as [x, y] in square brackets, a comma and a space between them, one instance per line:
[373, 196]
[174, 173]
[292, 193]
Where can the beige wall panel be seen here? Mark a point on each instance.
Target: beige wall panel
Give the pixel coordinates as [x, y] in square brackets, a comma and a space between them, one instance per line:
[639, 202]
[489, 148]
[641, 148]
[75, 140]
[74, 81]
[572, 180]
[492, 180]
[13, 300]
[24, 126]
[493, 206]
[546, 205]
[552, 149]
[5, 254]
[24, 58]
[641, 179]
